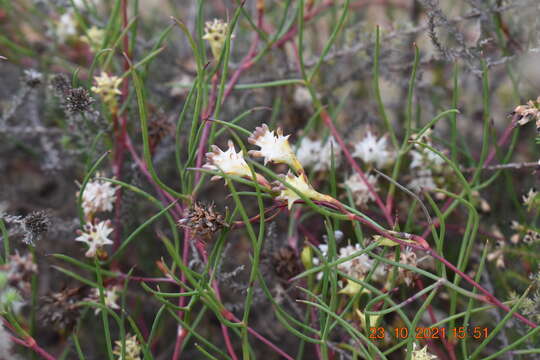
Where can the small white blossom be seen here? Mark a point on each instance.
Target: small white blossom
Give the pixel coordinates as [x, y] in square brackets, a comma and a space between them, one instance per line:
[273, 147]
[302, 97]
[308, 151]
[357, 267]
[373, 151]
[423, 181]
[215, 33]
[359, 188]
[132, 348]
[230, 162]
[96, 236]
[313, 154]
[94, 38]
[98, 196]
[532, 199]
[110, 298]
[423, 158]
[66, 27]
[421, 354]
[107, 87]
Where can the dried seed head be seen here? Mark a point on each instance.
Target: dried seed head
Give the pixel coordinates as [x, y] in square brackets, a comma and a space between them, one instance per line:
[202, 220]
[286, 262]
[61, 310]
[61, 84]
[35, 225]
[78, 100]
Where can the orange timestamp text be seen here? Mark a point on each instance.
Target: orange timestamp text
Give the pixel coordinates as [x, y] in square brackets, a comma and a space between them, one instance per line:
[460, 332]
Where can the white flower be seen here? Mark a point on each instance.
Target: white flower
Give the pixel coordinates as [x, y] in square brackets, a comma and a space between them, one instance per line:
[132, 348]
[360, 189]
[425, 158]
[302, 185]
[66, 26]
[421, 354]
[312, 153]
[230, 162]
[531, 200]
[215, 33]
[423, 181]
[95, 236]
[308, 152]
[107, 87]
[98, 196]
[302, 97]
[357, 267]
[110, 298]
[274, 147]
[94, 38]
[373, 151]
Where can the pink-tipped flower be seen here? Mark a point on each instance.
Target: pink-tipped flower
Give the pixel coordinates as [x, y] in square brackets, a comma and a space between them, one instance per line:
[96, 236]
[273, 147]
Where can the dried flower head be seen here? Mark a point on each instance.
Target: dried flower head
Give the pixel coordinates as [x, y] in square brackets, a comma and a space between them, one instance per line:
[285, 262]
[94, 38]
[230, 162]
[357, 268]
[96, 236]
[523, 233]
[273, 147]
[77, 100]
[20, 270]
[35, 225]
[215, 33]
[132, 350]
[62, 310]
[61, 84]
[421, 354]
[98, 196]
[407, 257]
[107, 87]
[301, 184]
[373, 151]
[202, 220]
[359, 188]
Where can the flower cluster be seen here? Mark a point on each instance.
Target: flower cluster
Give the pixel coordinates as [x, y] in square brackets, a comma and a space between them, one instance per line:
[373, 151]
[215, 32]
[94, 38]
[107, 87]
[132, 350]
[274, 148]
[96, 236]
[98, 196]
[318, 156]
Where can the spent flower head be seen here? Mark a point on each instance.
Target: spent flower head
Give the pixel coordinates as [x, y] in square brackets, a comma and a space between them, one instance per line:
[96, 236]
[528, 112]
[110, 298]
[274, 147]
[215, 32]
